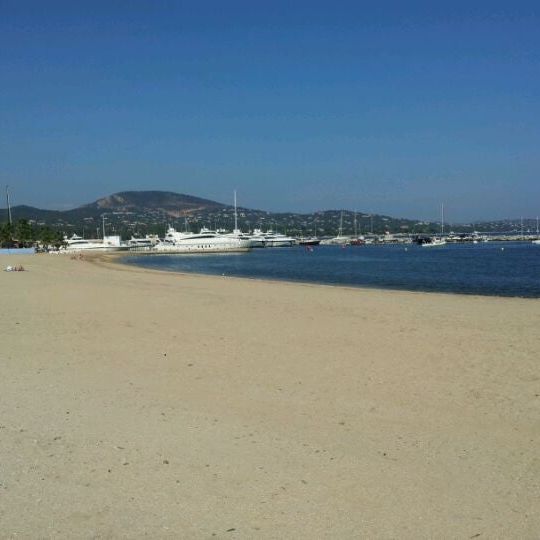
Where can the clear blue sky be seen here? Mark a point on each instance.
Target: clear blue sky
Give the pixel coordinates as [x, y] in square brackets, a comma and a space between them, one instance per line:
[299, 105]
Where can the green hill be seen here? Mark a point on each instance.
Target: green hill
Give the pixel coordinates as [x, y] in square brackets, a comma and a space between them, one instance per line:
[142, 212]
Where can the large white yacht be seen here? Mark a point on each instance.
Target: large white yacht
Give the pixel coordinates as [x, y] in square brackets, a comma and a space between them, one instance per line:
[204, 242]
[255, 241]
[77, 243]
[272, 239]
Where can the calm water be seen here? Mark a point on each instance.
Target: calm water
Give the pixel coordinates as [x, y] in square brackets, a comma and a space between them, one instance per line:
[494, 268]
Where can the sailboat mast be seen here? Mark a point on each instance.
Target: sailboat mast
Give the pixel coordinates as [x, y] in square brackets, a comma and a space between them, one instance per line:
[235, 214]
[103, 225]
[442, 220]
[8, 205]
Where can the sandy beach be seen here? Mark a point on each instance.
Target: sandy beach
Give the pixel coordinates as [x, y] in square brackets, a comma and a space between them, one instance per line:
[137, 403]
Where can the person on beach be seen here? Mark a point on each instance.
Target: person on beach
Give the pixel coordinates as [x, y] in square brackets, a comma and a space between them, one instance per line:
[19, 268]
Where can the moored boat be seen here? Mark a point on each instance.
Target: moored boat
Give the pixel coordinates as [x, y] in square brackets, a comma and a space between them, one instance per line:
[311, 241]
[204, 242]
[434, 242]
[77, 243]
[272, 239]
[146, 242]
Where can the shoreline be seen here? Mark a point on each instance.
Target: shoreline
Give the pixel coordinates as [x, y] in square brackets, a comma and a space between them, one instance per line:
[145, 402]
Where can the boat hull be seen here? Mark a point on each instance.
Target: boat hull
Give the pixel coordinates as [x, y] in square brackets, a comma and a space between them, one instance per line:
[78, 249]
[434, 243]
[193, 250]
[279, 243]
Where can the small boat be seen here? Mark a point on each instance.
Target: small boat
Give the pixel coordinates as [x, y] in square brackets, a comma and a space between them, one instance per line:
[434, 242]
[311, 241]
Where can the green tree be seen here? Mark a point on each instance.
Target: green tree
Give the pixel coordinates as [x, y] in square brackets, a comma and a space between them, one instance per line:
[46, 236]
[50, 238]
[6, 235]
[23, 232]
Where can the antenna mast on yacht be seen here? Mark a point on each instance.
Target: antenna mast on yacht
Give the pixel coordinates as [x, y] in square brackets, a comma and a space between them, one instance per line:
[8, 205]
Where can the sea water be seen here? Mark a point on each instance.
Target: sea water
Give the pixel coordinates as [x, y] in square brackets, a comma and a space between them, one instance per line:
[490, 268]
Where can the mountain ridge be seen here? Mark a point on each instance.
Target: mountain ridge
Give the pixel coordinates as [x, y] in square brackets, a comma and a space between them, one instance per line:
[150, 210]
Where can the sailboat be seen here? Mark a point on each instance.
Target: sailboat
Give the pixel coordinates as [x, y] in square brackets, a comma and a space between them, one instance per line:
[356, 240]
[237, 233]
[339, 239]
[437, 240]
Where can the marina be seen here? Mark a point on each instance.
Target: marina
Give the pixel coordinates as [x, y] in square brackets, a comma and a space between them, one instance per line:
[348, 349]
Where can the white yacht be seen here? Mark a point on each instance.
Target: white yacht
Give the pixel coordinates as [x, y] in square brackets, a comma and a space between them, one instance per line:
[204, 242]
[255, 241]
[272, 239]
[78, 243]
[147, 242]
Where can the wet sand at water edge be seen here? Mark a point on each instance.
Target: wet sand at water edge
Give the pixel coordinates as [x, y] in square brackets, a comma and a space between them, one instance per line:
[137, 403]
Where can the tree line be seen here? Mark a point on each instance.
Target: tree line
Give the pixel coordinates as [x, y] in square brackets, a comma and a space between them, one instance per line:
[22, 233]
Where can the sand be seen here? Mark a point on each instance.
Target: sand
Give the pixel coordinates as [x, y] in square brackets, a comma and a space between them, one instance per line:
[136, 403]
